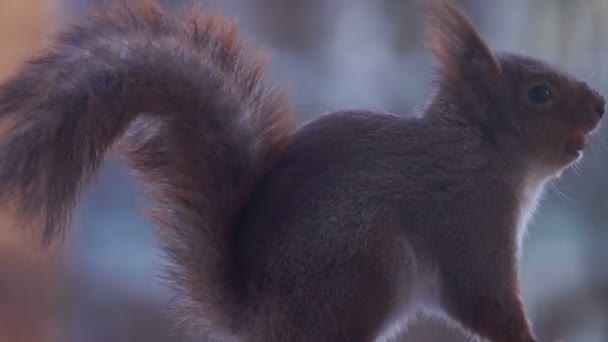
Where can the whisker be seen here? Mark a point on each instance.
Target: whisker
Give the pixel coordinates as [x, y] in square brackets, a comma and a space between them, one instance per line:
[598, 148]
[559, 193]
[597, 73]
[595, 148]
[577, 169]
[576, 166]
[602, 146]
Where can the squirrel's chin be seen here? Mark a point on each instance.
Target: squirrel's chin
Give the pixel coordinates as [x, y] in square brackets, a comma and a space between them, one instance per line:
[573, 149]
[571, 157]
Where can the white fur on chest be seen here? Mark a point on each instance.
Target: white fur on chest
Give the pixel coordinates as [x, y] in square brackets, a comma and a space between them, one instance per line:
[530, 193]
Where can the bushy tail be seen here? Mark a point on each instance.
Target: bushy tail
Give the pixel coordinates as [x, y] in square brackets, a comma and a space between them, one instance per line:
[203, 125]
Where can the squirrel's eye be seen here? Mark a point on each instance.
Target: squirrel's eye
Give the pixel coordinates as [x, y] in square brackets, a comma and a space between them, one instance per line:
[540, 93]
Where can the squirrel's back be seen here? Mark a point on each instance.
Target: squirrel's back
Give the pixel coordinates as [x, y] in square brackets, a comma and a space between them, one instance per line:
[356, 196]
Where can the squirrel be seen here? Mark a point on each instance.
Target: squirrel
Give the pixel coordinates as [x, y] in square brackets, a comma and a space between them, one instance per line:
[337, 229]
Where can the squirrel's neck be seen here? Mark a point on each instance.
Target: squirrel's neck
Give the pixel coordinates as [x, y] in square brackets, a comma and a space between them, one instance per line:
[501, 163]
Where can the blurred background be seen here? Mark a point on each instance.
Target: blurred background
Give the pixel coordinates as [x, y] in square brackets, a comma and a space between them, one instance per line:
[103, 286]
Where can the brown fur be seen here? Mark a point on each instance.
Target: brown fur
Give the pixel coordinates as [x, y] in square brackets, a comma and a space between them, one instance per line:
[334, 233]
[225, 125]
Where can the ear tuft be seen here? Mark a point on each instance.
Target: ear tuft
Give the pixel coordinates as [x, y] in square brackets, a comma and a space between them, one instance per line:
[456, 44]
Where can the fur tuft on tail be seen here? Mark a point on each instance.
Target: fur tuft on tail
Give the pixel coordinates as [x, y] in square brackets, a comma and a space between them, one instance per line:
[202, 122]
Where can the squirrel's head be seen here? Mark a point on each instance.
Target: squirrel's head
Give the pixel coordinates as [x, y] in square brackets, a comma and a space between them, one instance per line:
[530, 110]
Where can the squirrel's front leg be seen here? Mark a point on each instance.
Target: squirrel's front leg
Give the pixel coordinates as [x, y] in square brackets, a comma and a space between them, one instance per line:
[498, 319]
[488, 303]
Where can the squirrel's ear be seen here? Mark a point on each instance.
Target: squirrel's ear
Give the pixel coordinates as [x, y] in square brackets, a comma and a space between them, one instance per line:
[456, 45]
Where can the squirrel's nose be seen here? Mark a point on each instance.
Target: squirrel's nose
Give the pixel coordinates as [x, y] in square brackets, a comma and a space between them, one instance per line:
[600, 103]
[600, 106]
